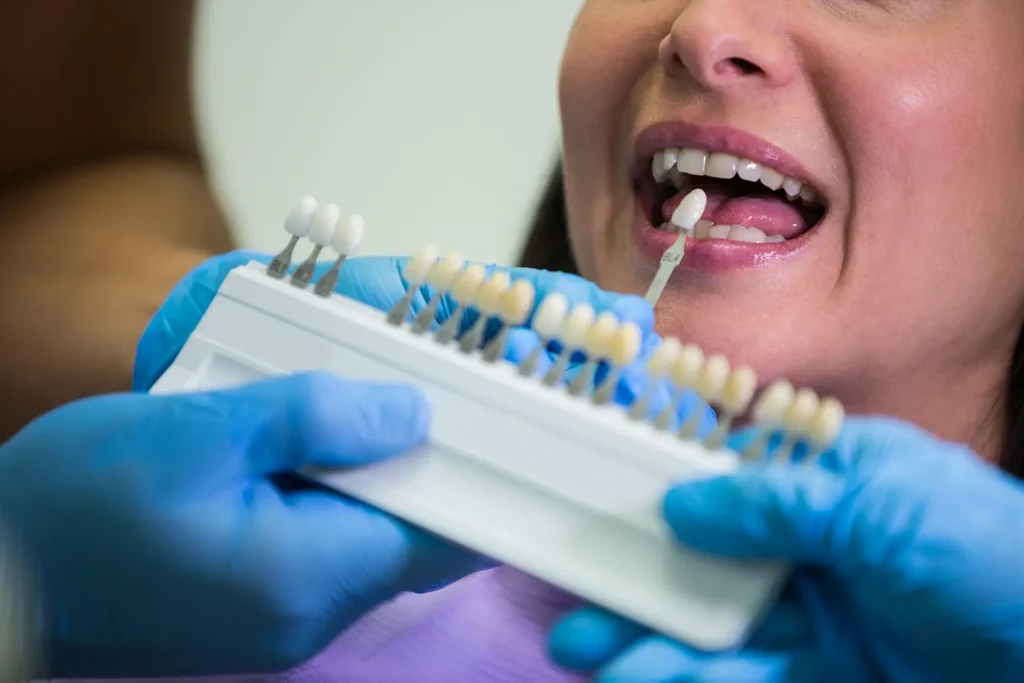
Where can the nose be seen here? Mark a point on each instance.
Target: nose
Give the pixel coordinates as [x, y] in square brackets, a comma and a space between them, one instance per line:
[729, 44]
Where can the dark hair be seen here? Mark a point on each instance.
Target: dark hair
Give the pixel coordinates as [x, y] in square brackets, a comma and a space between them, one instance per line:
[547, 248]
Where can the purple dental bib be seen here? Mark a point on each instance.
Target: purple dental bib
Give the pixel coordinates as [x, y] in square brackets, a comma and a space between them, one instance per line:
[491, 627]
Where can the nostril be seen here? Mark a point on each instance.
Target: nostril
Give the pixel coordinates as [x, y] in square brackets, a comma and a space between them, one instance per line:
[742, 66]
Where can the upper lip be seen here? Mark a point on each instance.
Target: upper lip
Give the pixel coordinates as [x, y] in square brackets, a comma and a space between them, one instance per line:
[679, 134]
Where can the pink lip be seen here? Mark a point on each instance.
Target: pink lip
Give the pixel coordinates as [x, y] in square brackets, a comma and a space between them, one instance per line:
[678, 134]
[714, 254]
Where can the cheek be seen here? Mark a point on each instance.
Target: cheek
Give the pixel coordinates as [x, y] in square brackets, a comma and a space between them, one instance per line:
[936, 195]
[611, 47]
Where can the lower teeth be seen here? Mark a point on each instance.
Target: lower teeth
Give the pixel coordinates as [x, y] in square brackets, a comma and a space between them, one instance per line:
[734, 233]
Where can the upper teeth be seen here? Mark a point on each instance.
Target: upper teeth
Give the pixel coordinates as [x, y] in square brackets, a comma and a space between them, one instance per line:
[673, 163]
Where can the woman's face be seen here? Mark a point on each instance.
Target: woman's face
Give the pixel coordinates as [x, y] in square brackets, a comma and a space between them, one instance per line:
[904, 118]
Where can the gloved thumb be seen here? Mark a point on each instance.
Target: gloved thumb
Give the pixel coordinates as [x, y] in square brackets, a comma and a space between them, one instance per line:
[770, 511]
[281, 425]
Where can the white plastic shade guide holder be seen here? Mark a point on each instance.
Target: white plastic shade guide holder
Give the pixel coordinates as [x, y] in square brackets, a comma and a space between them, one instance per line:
[563, 485]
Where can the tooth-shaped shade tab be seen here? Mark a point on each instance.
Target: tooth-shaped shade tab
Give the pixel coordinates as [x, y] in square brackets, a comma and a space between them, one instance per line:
[601, 334]
[625, 346]
[771, 406]
[444, 272]
[690, 210]
[826, 424]
[346, 242]
[577, 326]
[517, 302]
[349, 236]
[550, 315]
[739, 391]
[660, 363]
[325, 224]
[418, 267]
[300, 219]
[797, 418]
[712, 379]
[490, 295]
[468, 283]
[686, 369]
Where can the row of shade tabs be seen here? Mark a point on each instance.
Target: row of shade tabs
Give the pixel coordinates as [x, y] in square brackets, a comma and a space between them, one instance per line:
[609, 346]
[326, 227]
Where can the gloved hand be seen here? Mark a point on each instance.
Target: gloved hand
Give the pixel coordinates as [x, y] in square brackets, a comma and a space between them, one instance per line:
[912, 569]
[161, 547]
[378, 282]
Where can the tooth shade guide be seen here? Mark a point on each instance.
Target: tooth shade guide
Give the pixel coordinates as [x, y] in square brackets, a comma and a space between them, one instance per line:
[415, 272]
[465, 288]
[683, 372]
[440, 276]
[547, 322]
[513, 311]
[573, 337]
[500, 474]
[823, 429]
[796, 421]
[659, 365]
[297, 226]
[690, 210]
[709, 384]
[347, 240]
[488, 302]
[769, 410]
[597, 347]
[624, 350]
[321, 234]
[734, 401]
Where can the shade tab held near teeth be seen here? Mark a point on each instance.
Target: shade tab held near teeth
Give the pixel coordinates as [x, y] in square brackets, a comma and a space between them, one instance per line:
[690, 210]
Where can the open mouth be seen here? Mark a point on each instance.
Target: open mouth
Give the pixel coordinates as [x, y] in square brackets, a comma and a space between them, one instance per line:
[747, 201]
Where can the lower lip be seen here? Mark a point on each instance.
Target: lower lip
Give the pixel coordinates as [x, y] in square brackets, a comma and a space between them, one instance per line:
[716, 254]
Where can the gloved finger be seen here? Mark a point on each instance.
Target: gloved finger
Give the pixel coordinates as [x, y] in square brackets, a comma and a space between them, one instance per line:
[281, 425]
[392, 554]
[658, 660]
[179, 315]
[590, 637]
[767, 510]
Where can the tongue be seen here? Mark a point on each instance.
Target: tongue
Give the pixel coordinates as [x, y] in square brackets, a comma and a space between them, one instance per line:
[769, 213]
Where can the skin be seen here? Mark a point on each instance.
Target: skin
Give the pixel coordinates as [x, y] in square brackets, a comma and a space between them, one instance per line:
[104, 202]
[910, 299]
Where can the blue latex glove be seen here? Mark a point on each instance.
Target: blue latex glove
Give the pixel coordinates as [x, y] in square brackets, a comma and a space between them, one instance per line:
[162, 548]
[378, 282]
[912, 569]
[163, 545]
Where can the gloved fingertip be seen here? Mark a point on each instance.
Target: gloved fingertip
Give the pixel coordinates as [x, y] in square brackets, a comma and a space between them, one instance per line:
[700, 514]
[402, 410]
[338, 422]
[764, 510]
[653, 660]
[587, 639]
[180, 313]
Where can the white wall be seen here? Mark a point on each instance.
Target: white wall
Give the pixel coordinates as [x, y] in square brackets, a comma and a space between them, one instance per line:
[434, 119]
